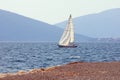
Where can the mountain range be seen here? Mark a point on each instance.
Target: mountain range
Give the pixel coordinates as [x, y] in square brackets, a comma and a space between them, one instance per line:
[99, 25]
[15, 27]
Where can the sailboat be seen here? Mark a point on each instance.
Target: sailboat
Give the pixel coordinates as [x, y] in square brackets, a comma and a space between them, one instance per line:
[67, 39]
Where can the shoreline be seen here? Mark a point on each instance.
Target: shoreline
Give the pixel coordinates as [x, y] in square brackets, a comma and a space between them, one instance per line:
[70, 71]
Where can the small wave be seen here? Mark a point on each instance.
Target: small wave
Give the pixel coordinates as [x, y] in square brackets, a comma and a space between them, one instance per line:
[74, 57]
[18, 61]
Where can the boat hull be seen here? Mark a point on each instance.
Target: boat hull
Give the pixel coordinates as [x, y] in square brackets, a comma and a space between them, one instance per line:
[69, 46]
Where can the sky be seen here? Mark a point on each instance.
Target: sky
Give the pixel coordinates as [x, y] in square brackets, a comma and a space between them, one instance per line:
[55, 11]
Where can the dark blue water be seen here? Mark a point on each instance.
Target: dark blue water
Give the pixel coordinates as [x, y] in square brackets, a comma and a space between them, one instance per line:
[25, 56]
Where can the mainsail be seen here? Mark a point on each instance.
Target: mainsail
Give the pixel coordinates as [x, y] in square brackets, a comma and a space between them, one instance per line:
[68, 34]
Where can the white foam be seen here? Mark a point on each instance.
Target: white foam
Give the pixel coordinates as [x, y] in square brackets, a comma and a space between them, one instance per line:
[76, 57]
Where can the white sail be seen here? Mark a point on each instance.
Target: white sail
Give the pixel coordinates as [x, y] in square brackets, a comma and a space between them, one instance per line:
[71, 30]
[68, 34]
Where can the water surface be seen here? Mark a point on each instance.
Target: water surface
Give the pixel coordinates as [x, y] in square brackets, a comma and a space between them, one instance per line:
[25, 56]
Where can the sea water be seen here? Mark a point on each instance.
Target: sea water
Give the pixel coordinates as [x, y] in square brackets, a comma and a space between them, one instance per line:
[25, 56]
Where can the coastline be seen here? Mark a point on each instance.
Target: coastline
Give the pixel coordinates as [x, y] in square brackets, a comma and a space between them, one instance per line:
[70, 71]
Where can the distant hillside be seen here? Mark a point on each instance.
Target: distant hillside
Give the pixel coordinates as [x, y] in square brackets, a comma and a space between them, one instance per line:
[14, 27]
[103, 24]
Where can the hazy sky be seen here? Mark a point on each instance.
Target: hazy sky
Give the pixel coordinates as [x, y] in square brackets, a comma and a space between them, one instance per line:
[54, 11]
